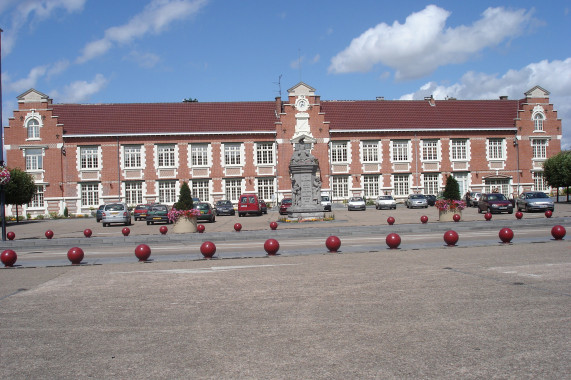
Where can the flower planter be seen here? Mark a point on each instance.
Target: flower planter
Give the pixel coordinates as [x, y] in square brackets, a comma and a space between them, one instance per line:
[448, 215]
[185, 225]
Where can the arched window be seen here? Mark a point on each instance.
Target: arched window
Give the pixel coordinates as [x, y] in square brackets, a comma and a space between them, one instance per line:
[33, 127]
[538, 122]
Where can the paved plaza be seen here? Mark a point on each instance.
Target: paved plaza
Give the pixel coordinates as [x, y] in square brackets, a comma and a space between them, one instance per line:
[500, 311]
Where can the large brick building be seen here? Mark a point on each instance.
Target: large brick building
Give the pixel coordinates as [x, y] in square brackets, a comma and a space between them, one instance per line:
[83, 155]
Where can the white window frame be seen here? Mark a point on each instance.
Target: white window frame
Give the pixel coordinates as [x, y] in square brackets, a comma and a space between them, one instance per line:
[166, 156]
[233, 188]
[89, 194]
[265, 153]
[168, 191]
[401, 184]
[431, 183]
[132, 156]
[200, 188]
[538, 120]
[371, 152]
[539, 183]
[133, 192]
[371, 186]
[430, 150]
[232, 155]
[89, 157]
[34, 159]
[199, 155]
[459, 149]
[400, 150]
[340, 186]
[33, 129]
[339, 152]
[539, 148]
[266, 188]
[38, 198]
[496, 149]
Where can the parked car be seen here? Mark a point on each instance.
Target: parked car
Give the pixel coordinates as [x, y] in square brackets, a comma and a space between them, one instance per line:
[249, 204]
[385, 201]
[206, 212]
[99, 213]
[263, 206]
[416, 200]
[473, 199]
[286, 203]
[326, 202]
[158, 213]
[495, 203]
[431, 199]
[116, 213]
[224, 207]
[356, 203]
[534, 200]
[140, 212]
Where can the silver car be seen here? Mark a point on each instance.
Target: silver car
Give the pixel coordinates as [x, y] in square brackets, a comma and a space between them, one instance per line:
[416, 200]
[534, 200]
[356, 203]
[116, 213]
[385, 201]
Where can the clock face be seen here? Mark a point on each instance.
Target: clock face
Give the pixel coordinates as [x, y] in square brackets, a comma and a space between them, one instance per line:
[302, 104]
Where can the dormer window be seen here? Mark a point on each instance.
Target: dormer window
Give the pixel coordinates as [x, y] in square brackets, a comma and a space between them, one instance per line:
[538, 122]
[33, 127]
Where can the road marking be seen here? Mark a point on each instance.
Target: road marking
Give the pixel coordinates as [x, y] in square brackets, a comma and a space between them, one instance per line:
[205, 270]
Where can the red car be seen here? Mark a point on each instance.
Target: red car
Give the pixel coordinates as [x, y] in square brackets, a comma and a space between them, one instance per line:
[140, 212]
[286, 203]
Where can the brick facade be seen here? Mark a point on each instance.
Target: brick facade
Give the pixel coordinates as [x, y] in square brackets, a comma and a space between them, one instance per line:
[84, 155]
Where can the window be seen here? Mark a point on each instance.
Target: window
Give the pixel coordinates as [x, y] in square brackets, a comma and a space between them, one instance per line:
[400, 150]
[495, 149]
[233, 189]
[33, 127]
[265, 188]
[340, 186]
[167, 191]
[538, 122]
[265, 153]
[539, 148]
[34, 158]
[401, 184]
[199, 154]
[371, 186]
[132, 156]
[133, 193]
[431, 184]
[459, 150]
[370, 151]
[200, 189]
[497, 186]
[338, 152]
[429, 150]
[539, 182]
[232, 155]
[165, 154]
[90, 194]
[89, 156]
[38, 198]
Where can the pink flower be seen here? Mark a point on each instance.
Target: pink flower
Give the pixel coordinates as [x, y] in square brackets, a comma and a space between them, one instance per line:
[175, 214]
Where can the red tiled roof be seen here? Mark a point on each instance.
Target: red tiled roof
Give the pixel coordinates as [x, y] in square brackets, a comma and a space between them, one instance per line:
[161, 118]
[419, 114]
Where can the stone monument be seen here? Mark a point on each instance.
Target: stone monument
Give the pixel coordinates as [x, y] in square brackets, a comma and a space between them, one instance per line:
[306, 185]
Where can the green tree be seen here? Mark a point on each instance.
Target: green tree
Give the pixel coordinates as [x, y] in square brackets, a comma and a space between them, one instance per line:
[452, 189]
[190, 100]
[184, 199]
[20, 190]
[557, 171]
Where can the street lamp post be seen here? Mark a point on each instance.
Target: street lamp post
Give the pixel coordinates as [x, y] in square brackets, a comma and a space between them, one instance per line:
[2, 193]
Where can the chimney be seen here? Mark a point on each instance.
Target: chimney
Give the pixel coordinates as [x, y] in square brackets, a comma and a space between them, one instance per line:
[380, 98]
[430, 100]
[503, 97]
[279, 106]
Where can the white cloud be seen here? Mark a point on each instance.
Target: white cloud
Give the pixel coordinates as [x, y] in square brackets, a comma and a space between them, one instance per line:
[423, 43]
[146, 60]
[153, 19]
[554, 76]
[80, 91]
[25, 84]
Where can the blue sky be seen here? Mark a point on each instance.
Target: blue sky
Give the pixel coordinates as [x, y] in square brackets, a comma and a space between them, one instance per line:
[130, 51]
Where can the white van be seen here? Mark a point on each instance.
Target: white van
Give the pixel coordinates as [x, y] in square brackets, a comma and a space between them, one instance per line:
[326, 201]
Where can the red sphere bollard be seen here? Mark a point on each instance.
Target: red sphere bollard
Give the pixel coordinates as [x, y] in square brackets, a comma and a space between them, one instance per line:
[11, 235]
[558, 232]
[163, 230]
[8, 258]
[75, 255]
[237, 227]
[451, 238]
[456, 217]
[126, 231]
[87, 232]
[143, 252]
[506, 235]
[200, 228]
[393, 240]
[519, 215]
[271, 246]
[333, 243]
[390, 220]
[488, 216]
[49, 234]
[208, 249]
[424, 219]
[548, 213]
[273, 225]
